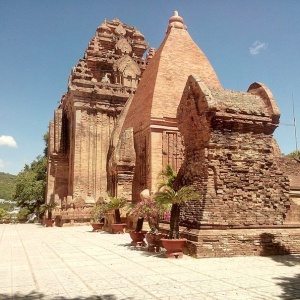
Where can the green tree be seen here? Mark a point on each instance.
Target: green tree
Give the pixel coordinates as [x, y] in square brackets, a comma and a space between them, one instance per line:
[31, 185]
[23, 214]
[8, 205]
[3, 214]
[7, 186]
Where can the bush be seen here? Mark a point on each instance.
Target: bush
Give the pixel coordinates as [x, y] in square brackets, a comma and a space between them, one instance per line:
[23, 214]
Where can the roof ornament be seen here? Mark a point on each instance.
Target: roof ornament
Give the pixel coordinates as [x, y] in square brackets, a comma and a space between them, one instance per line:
[176, 22]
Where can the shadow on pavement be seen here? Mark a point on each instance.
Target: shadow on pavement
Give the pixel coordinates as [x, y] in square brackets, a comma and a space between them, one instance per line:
[290, 284]
[40, 296]
[143, 250]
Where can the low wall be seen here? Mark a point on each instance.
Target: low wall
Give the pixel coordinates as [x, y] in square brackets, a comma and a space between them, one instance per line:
[239, 242]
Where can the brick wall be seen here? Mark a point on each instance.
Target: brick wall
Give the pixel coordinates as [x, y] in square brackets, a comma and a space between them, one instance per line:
[241, 182]
[221, 243]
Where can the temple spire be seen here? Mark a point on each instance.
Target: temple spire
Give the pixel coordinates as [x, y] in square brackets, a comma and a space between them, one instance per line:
[176, 22]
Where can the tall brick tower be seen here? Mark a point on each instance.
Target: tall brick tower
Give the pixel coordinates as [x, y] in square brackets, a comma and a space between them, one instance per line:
[98, 88]
[152, 111]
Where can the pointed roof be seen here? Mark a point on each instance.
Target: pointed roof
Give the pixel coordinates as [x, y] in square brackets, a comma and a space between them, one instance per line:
[159, 92]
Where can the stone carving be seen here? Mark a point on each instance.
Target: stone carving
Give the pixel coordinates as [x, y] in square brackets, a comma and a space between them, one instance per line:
[98, 89]
[79, 202]
[123, 46]
[129, 70]
[125, 153]
[105, 78]
[120, 30]
[150, 54]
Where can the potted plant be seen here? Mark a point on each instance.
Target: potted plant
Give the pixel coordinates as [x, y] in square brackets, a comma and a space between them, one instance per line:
[116, 204]
[49, 208]
[98, 213]
[166, 195]
[151, 211]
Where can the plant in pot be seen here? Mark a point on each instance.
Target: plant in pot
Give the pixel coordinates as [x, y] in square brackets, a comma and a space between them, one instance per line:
[174, 244]
[97, 214]
[147, 209]
[116, 204]
[49, 207]
[167, 195]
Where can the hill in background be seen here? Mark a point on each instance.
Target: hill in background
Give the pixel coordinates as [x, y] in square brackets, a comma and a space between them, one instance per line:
[7, 185]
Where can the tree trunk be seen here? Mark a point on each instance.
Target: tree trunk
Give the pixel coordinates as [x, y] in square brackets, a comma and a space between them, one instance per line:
[174, 221]
[118, 216]
[49, 214]
[139, 225]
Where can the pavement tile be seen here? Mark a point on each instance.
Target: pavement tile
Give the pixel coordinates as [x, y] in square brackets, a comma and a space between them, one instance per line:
[72, 263]
[236, 295]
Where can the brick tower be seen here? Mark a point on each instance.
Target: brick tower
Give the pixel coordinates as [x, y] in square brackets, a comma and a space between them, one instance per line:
[98, 88]
[151, 114]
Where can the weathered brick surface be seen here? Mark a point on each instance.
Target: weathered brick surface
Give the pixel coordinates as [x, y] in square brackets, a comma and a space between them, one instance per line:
[98, 88]
[291, 168]
[238, 242]
[152, 112]
[242, 184]
[229, 156]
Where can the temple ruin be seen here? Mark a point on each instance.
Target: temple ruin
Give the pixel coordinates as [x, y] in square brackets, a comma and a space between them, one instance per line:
[125, 117]
[79, 136]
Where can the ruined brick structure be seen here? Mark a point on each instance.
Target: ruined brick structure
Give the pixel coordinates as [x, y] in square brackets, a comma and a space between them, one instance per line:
[124, 118]
[152, 112]
[98, 88]
[230, 156]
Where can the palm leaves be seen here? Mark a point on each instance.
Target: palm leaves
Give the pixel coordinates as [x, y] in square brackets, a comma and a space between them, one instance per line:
[116, 204]
[49, 207]
[168, 177]
[169, 196]
[166, 195]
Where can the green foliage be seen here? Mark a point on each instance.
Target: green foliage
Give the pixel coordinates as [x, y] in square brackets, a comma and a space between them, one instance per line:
[7, 205]
[168, 177]
[49, 207]
[152, 210]
[7, 186]
[116, 204]
[23, 214]
[295, 154]
[98, 212]
[31, 185]
[168, 196]
[3, 214]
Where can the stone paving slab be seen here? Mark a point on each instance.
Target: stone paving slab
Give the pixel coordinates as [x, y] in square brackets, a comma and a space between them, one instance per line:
[73, 263]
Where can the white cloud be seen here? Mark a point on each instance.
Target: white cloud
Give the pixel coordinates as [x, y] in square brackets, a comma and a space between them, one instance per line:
[6, 140]
[1, 163]
[256, 47]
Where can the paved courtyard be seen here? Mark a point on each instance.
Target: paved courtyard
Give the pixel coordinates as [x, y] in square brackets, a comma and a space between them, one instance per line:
[74, 263]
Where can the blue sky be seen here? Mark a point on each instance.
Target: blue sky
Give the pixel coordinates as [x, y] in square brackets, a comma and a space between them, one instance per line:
[40, 41]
